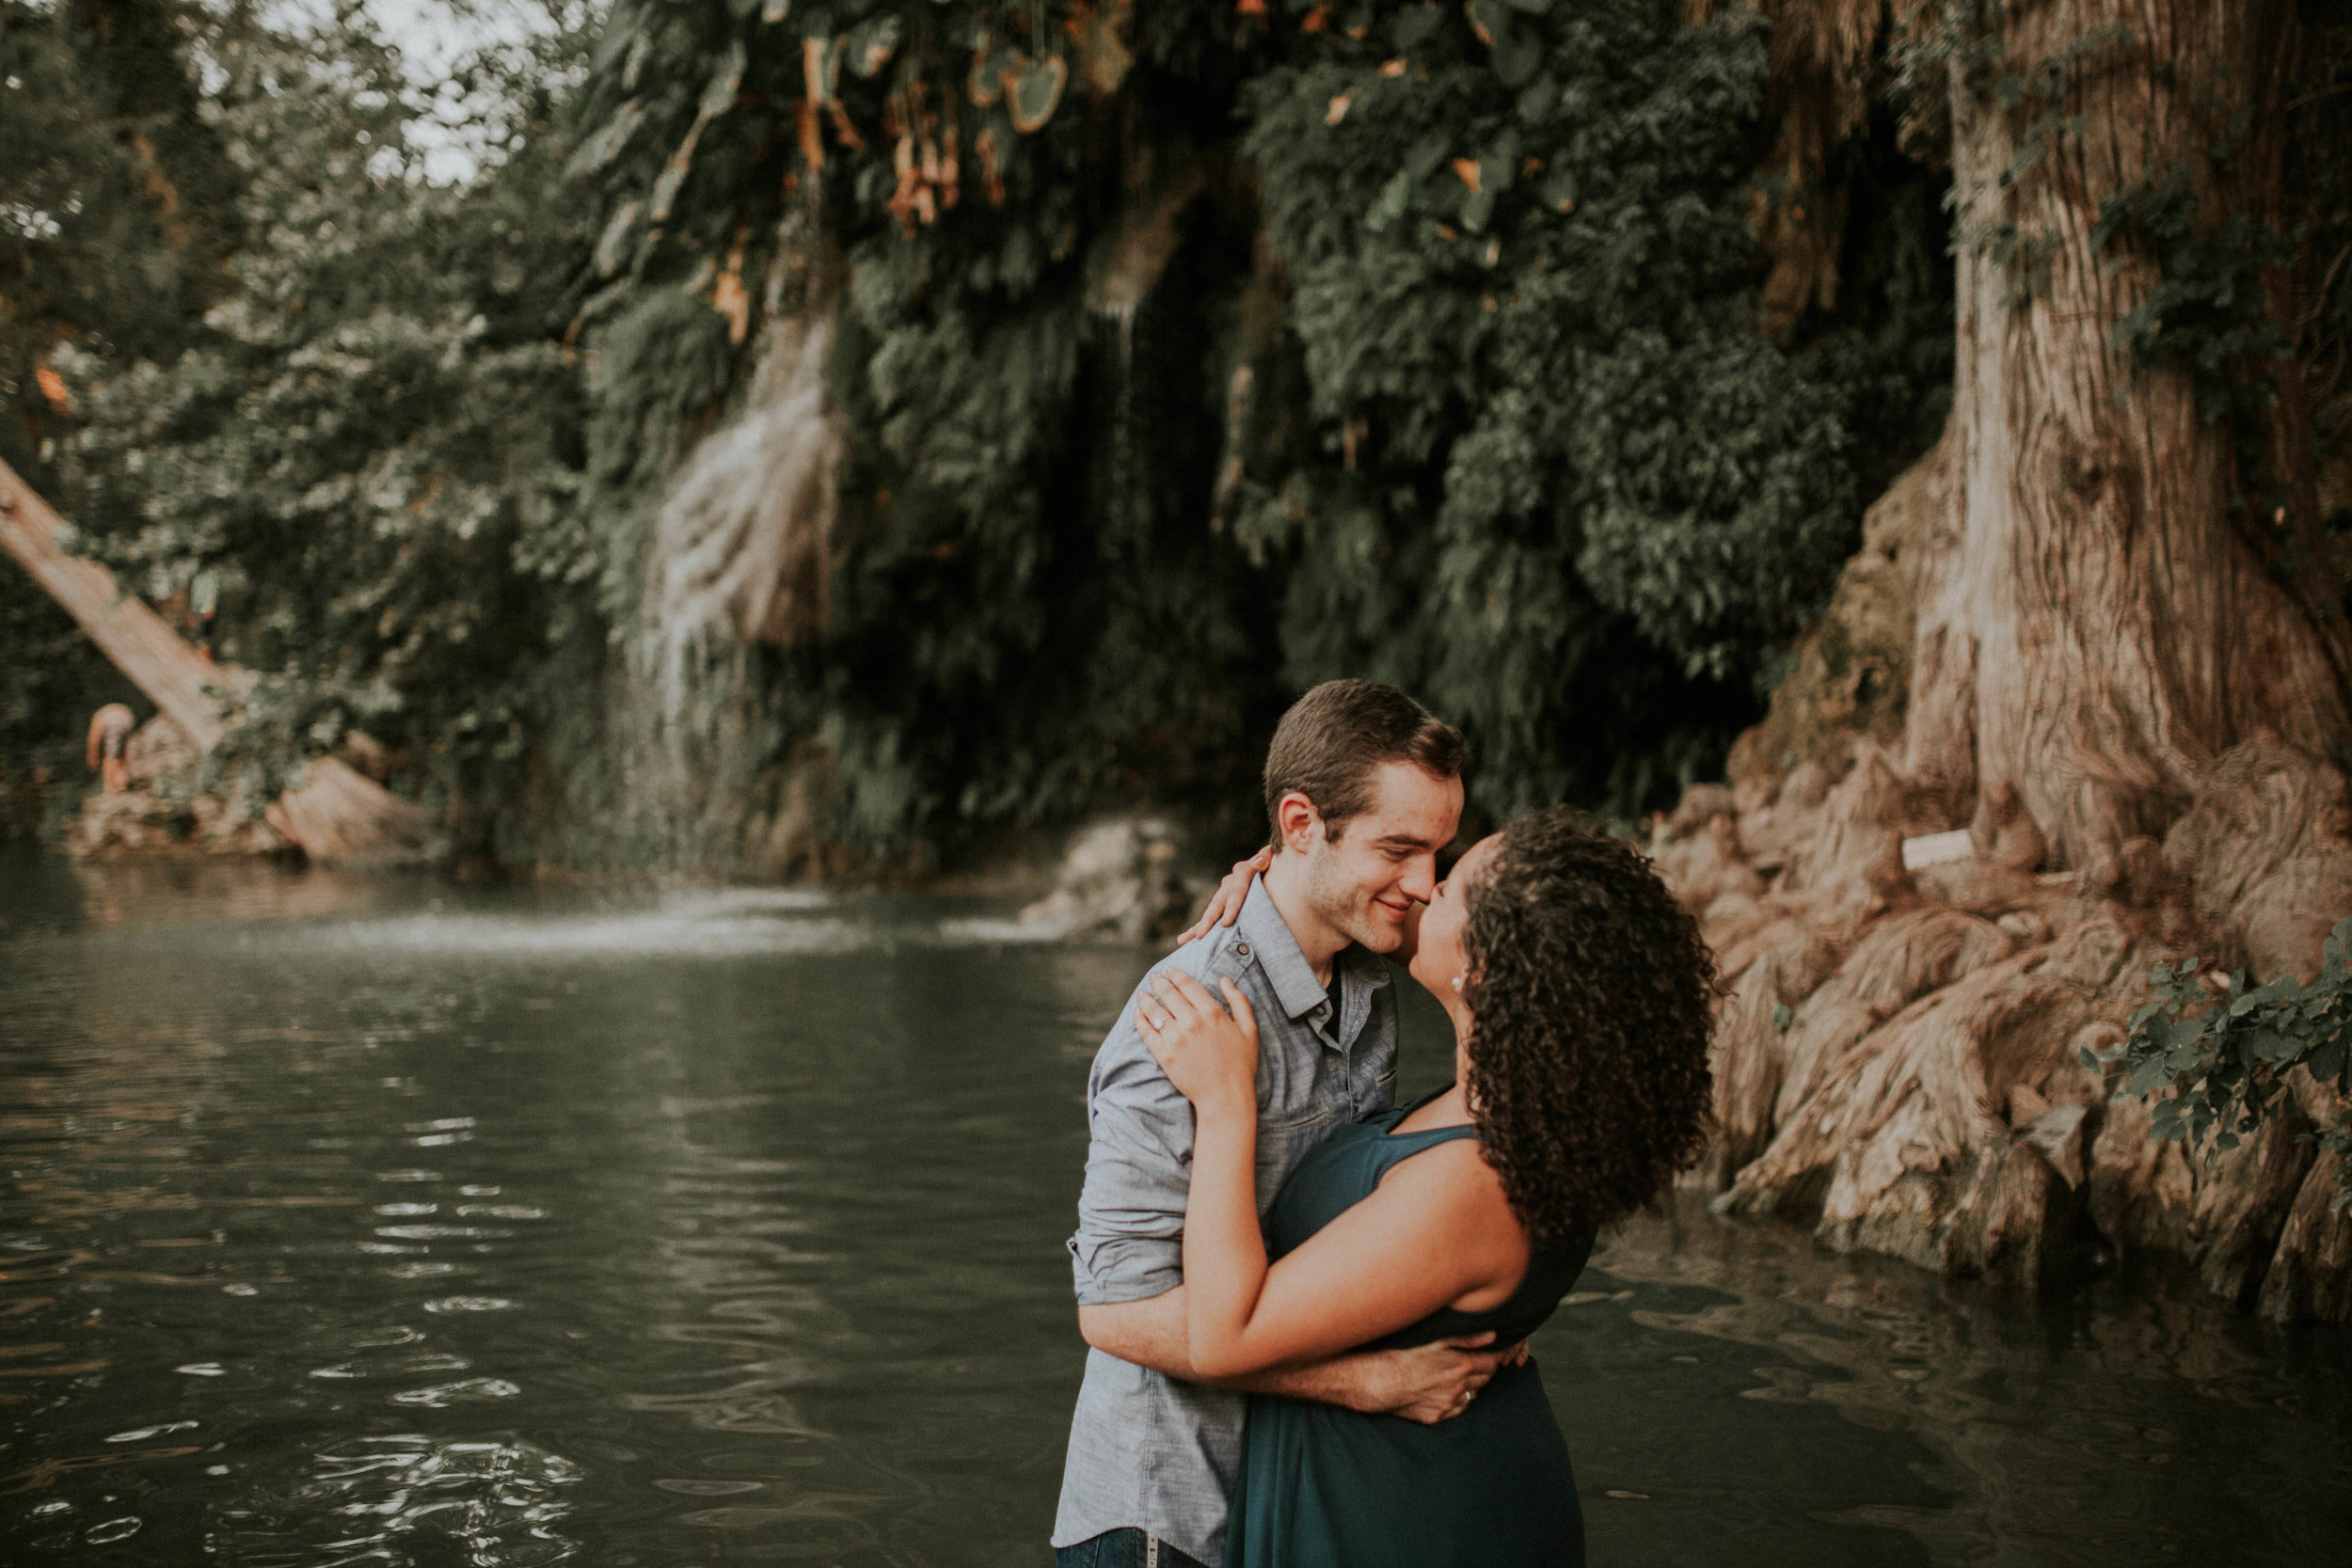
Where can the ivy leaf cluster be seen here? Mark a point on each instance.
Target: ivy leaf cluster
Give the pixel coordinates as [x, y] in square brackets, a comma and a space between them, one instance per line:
[2220, 1059]
[1562, 475]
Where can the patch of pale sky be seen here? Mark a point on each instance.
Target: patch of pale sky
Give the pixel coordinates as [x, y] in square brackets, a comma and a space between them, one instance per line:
[433, 36]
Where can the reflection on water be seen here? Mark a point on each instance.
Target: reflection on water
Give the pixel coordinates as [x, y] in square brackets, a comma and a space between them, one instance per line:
[367, 1221]
[380, 1500]
[2117, 1424]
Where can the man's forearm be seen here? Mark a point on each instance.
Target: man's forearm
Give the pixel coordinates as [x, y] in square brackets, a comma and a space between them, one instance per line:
[1151, 1333]
[1354, 1381]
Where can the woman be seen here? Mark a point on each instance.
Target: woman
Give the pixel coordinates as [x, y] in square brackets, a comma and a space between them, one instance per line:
[1581, 995]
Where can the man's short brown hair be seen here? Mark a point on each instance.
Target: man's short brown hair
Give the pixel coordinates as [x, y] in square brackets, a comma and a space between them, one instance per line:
[1331, 740]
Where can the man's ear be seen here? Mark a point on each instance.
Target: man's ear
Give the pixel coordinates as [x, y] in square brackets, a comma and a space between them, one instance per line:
[1300, 823]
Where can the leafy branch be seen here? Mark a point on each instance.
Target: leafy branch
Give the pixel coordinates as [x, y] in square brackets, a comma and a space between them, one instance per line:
[2224, 1050]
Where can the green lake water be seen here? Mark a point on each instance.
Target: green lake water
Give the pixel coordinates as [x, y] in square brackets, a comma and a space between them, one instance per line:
[354, 1221]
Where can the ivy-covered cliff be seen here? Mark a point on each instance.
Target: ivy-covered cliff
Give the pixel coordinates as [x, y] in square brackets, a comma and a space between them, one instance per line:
[1184, 355]
[825, 433]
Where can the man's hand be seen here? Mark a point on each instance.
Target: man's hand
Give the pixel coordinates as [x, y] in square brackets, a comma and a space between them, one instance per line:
[1435, 1382]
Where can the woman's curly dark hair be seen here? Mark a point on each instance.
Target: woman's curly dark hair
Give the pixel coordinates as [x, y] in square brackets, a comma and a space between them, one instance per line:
[1592, 996]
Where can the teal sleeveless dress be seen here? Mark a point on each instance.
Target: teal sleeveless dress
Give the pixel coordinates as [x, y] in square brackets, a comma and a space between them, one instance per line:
[1323, 1487]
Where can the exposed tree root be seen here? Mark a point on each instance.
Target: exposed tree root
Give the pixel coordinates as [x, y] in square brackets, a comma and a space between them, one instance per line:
[1899, 1059]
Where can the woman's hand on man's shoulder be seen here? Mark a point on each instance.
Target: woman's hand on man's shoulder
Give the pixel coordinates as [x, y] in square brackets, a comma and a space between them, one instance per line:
[1208, 1051]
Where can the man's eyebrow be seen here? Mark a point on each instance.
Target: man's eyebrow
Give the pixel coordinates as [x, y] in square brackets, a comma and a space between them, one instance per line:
[1407, 841]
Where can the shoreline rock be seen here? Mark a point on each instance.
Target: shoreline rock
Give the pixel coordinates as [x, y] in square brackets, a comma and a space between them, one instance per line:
[164, 814]
[1118, 879]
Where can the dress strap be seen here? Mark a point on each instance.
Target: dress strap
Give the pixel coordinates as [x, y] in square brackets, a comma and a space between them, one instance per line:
[1429, 1137]
[1393, 1150]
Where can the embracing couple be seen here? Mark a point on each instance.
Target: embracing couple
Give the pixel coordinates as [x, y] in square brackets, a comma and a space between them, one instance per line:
[1309, 1308]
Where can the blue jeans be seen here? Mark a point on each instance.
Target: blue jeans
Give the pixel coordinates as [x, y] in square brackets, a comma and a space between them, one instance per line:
[1119, 1548]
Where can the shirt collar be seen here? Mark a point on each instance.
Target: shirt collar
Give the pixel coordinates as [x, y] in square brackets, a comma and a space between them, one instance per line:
[1261, 926]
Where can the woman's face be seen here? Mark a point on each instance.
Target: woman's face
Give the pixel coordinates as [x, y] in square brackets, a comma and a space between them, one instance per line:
[1440, 960]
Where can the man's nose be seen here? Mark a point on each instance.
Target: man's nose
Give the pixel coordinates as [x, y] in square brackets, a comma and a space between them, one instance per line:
[1420, 883]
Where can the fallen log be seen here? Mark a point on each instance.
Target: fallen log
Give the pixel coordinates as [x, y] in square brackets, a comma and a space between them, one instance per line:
[334, 814]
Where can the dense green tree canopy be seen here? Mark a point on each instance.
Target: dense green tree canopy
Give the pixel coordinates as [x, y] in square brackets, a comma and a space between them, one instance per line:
[112, 190]
[1450, 372]
[350, 474]
[1185, 354]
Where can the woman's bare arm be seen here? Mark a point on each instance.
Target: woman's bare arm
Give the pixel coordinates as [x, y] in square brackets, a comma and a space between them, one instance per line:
[1425, 1382]
[1426, 1237]
[1435, 1230]
[1224, 906]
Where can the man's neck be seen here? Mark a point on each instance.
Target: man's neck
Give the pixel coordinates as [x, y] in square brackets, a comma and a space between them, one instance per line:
[1286, 884]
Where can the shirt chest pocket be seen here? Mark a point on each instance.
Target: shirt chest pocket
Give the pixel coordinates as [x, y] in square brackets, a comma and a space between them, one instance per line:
[1295, 1099]
[1288, 1093]
[1281, 1149]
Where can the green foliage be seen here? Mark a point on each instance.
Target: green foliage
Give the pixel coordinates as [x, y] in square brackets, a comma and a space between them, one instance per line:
[1566, 490]
[109, 181]
[2206, 314]
[355, 481]
[662, 364]
[2221, 1059]
[1541, 469]
[1514, 442]
[1011, 637]
[89, 134]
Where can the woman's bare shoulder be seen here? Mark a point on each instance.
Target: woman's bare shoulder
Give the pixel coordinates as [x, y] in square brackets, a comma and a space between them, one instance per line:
[1454, 1183]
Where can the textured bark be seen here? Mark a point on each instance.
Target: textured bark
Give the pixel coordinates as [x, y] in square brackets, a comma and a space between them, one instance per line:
[2094, 632]
[2107, 685]
[188, 687]
[334, 814]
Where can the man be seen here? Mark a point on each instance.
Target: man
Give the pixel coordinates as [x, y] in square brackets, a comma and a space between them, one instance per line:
[1362, 788]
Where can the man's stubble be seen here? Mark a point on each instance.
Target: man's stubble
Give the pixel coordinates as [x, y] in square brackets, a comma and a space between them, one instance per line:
[1345, 908]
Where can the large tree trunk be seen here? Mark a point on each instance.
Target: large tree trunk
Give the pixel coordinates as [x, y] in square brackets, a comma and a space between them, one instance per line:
[335, 814]
[2094, 630]
[2107, 687]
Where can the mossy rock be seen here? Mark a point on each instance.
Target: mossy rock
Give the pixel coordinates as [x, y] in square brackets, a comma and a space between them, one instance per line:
[1852, 679]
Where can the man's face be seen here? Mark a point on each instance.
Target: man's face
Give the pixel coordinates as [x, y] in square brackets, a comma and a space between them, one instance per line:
[1367, 884]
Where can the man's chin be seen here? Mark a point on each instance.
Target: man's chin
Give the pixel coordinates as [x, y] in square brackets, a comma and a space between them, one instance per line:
[1379, 933]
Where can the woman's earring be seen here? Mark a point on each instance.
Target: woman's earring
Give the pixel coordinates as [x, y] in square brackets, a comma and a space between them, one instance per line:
[1457, 982]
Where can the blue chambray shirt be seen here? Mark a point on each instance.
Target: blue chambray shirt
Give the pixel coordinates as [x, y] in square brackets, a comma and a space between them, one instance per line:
[1147, 1451]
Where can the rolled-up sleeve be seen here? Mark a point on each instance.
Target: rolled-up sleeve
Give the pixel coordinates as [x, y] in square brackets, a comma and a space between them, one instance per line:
[1129, 1245]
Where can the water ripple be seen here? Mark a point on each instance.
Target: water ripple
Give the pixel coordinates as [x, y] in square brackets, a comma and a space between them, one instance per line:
[742, 1240]
[409, 1499]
